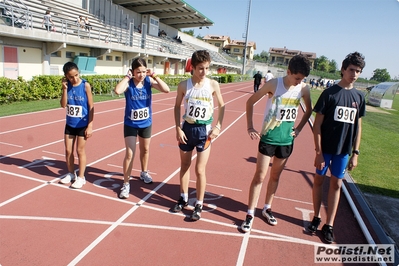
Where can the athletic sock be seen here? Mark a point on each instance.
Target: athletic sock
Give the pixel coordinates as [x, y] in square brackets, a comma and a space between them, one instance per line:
[267, 206]
[184, 196]
[200, 202]
[251, 212]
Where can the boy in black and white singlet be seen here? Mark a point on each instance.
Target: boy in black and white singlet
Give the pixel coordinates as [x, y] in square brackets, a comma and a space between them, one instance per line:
[195, 131]
[277, 133]
[337, 131]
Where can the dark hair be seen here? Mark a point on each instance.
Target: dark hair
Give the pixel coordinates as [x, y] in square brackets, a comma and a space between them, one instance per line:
[138, 62]
[69, 66]
[299, 64]
[200, 56]
[356, 59]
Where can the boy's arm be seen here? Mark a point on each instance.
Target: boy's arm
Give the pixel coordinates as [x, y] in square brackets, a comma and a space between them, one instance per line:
[353, 160]
[319, 160]
[268, 88]
[90, 103]
[181, 88]
[308, 111]
[221, 107]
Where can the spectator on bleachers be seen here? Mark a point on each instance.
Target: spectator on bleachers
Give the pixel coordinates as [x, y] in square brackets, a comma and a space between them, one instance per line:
[80, 22]
[87, 24]
[47, 21]
[162, 33]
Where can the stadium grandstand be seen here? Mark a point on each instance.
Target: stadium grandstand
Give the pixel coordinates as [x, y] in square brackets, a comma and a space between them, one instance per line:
[120, 30]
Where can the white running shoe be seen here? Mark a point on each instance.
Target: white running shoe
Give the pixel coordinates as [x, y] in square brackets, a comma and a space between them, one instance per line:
[145, 176]
[247, 224]
[79, 182]
[125, 190]
[269, 216]
[68, 178]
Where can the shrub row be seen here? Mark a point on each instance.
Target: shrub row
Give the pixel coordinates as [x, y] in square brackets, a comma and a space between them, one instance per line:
[49, 87]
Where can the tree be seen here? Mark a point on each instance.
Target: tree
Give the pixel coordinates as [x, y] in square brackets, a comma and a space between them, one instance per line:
[332, 66]
[189, 32]
[321, 63]
[262, 57]
[381, 75]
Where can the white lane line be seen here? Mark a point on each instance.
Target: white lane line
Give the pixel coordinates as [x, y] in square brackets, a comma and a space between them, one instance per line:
[9, 144]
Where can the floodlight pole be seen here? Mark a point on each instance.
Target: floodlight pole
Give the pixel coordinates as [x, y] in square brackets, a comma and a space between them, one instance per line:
[246, 39]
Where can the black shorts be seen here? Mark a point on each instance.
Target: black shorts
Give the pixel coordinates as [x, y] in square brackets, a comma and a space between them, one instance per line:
[133, 132]
[196, 137]
[280, 152]
[78, 131]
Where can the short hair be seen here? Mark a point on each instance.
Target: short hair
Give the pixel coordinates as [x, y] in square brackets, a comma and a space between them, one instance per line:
[69, 66]
[356, 59]
[200, 56]
[299, 64]
[138, 62]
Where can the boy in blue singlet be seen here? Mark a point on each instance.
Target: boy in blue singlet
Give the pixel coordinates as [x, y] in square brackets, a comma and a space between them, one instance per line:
[136, 86]
[278, 131]
[337, 131]
[78, 101]
[197, 94]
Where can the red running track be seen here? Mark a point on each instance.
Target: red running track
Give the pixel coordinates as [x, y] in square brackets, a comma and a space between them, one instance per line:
[43, 222]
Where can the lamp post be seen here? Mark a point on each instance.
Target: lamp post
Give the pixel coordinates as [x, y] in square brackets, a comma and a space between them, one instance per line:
[246, 39]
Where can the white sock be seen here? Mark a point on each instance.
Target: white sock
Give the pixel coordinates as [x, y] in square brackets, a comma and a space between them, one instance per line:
[184, 196]
[251, 212]
[200, 202]
[267, 206]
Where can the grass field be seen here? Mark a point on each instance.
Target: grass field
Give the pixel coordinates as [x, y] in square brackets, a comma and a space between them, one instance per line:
[378, 169]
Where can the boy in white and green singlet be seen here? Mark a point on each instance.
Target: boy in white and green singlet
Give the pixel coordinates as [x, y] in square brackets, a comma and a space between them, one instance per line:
[278, 131]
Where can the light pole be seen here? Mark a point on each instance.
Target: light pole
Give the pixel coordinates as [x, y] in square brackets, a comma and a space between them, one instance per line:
[246, 39]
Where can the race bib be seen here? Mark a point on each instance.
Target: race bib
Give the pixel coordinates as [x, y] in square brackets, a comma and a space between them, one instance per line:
[286, 114]
[198, 110]
[140, 114]
[74, 110]
[345, 114]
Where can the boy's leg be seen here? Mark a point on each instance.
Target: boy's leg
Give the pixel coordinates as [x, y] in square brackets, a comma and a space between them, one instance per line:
[262, 166]
[275, 172]
[185, 157]
[334, 193]
[317, 193]
[200, 171]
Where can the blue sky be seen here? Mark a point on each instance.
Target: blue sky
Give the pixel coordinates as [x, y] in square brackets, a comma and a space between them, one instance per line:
[333, 28]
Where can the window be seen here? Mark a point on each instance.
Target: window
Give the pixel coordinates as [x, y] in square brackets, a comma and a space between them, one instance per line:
[118, 58]
[149, 61]
[83, 54]
[217, 44]
[100, 58]
[236, 50]
[154, 22]
[108, 58]
[69, 54]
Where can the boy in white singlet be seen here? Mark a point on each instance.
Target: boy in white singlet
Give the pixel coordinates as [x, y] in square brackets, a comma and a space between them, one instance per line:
[197, 94]
[278, 131]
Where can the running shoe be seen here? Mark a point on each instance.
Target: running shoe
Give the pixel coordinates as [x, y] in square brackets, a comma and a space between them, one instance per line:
[312, 227]
[68, 178]
[145, 176]
[197, 212]
[79, 182]
[125, 190]
[247, 224]
[269, 216]
[328, 234]
[179, 205]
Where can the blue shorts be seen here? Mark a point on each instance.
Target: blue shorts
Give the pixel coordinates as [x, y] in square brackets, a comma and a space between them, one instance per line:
[196, 136]
[338, 164]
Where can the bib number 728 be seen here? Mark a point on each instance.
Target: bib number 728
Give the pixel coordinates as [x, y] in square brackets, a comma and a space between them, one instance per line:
[287, 114]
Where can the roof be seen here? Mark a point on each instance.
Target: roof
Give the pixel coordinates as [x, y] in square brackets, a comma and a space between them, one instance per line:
[175, 13]
[217, 38]
[286, 52]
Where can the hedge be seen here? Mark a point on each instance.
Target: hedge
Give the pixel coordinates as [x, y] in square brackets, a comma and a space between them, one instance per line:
[49, 86]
